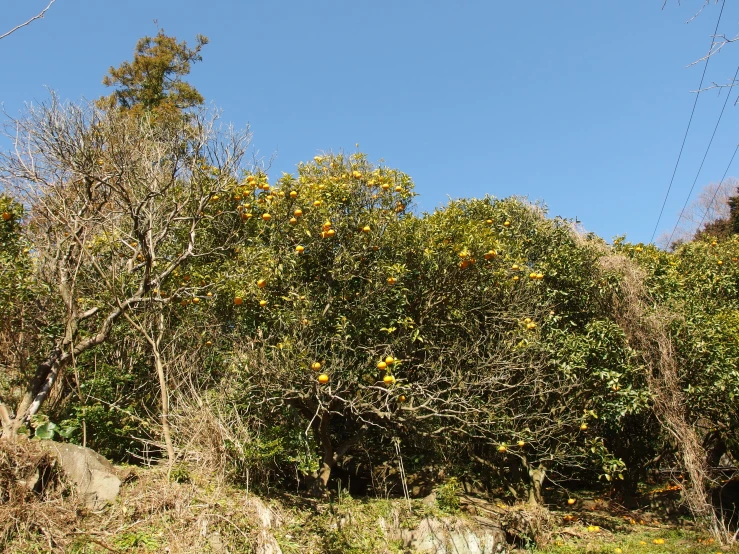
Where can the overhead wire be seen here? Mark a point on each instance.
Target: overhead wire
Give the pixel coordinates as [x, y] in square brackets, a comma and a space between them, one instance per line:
[692, 113]
[705, 155]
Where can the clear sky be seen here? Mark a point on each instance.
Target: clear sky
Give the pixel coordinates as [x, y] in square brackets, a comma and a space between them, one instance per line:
[580, 103]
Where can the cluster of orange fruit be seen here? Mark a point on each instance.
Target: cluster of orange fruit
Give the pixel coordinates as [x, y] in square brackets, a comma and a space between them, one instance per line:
[503, 448]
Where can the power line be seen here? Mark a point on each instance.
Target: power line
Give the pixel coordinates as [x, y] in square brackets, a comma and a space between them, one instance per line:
[721, 184]
[692, 112]
[705, 155]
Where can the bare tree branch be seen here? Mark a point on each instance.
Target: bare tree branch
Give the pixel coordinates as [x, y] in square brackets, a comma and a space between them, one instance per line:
[34, 18]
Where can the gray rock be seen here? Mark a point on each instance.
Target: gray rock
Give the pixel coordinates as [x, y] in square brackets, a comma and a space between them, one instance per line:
[453, 536]
[93, 475]
[266, 542]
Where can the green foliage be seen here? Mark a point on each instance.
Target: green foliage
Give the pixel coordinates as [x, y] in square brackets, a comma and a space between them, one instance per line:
[447, 496]
[153, 80]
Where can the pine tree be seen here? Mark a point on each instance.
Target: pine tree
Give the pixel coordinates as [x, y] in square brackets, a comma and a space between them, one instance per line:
[153, 81]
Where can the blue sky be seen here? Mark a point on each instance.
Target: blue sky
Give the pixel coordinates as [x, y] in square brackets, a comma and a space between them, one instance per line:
[581, 104]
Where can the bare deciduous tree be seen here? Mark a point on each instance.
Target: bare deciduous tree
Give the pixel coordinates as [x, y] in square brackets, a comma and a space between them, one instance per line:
[117, 206]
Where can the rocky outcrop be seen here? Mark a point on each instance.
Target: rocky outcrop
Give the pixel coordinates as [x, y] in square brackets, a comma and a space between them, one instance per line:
[93, 475]
[452, 535]
[266, 542]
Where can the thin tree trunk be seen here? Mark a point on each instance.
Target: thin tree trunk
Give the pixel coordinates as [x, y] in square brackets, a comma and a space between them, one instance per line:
[164, 392]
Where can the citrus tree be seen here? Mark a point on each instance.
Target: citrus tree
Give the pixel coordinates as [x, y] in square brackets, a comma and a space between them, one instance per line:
[370, 324]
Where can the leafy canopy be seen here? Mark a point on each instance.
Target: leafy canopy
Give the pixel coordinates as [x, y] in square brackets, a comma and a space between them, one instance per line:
[153, 80]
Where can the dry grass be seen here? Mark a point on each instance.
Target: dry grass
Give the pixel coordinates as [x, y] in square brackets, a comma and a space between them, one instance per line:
[36, 502]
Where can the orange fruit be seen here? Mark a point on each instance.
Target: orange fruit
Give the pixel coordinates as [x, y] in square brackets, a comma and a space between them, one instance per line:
[521, 443]
[330, 233]
[298, 212]
[515, 267]
[391, 280]
[507, 224]
[385, 186]
[317, 203]
[570, 501]
[299, 249]
[293, 194]
[238, 301]
[398, 189]
[366, 229]
[323, 378]
[531, 326]
[293, 221]
[401, 398]
[356, 174]
[195, 300]
[209, 343]
[532, 276]
[388, 379]
[266, 217]
[502, 448]
[6, 216]
[261, 283]
[262, 303]
[381, 365]
[315, 366]
[515, 277]
[209, 294]
[489, 221]
[281, 194]
[389, 360]
[583, 427]
[490, 254]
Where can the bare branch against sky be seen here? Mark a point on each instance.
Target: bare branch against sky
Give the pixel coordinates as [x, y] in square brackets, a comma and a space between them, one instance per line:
[35, 17]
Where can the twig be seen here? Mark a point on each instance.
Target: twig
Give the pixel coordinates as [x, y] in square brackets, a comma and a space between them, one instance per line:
[35, 17]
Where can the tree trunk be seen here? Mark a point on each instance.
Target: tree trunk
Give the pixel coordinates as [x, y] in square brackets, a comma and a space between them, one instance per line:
[536, 481]
[164, 393]
[36, 392]
[331, 455]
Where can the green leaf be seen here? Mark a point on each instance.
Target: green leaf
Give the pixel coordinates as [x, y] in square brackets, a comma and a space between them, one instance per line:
[46, 431]
[67, 432]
